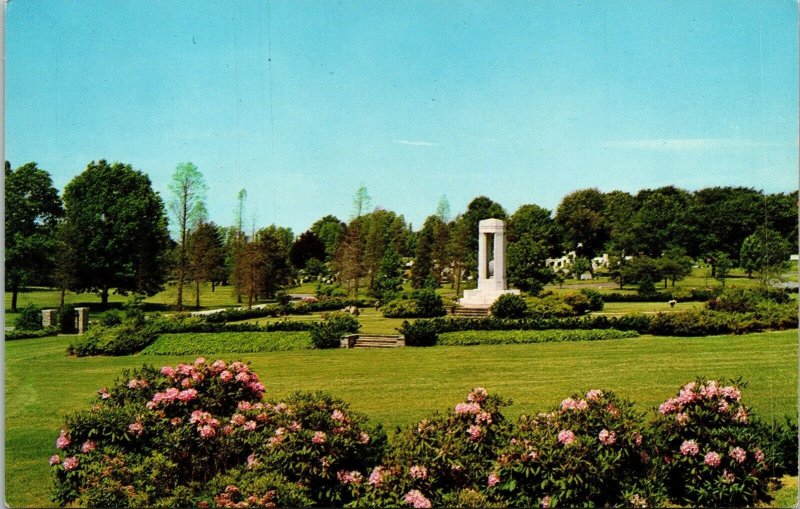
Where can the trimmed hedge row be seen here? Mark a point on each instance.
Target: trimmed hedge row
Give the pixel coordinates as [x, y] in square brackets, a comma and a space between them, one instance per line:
[11, 335]
[294, 308]
[509, 337]
[229, 342]
[686, 323]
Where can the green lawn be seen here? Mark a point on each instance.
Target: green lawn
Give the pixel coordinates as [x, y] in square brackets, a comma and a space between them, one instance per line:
[621, 308]
[400, 386]
[372, 321]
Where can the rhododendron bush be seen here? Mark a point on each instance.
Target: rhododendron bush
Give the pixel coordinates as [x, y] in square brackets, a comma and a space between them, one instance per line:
[202, 435]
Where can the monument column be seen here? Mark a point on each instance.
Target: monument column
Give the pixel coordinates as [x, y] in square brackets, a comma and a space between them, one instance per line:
[491, 244]
[500, 260]
[483, 262]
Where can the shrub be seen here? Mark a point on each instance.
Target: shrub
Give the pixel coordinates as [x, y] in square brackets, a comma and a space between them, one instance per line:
[780, 445]
[228, 342]
[30, 318]
[707, 451]
[419, 332]
[11, 335]
[595, 299]
[328, 332]
[122, 339]
[507, 337]
[252, 486]
[110, 318]
[578, 302]
[429, 303]
[549, 306]
[591, 451]
[155, 435]
[437, 459]
[400, 308]
[509, 306]
[282, 298]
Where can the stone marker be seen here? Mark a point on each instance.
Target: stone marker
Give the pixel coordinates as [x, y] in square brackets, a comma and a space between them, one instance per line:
[491, 266]
[81, 319]
[48, 318]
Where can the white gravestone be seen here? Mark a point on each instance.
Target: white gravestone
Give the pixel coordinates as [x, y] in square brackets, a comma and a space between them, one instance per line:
[491, 266]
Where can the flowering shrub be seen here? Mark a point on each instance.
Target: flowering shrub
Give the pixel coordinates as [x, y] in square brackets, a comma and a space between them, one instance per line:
[707, 451]
[591, 450]
[432, 462]
[182, 435]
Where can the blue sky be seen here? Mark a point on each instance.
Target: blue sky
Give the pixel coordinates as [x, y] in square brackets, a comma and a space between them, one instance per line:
[300, 102]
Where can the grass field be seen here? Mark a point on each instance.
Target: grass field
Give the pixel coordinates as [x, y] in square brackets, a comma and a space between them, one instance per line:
[399, 386]
[223, 343]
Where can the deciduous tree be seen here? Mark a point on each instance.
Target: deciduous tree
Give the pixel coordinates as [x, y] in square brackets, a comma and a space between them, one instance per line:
[188, 208]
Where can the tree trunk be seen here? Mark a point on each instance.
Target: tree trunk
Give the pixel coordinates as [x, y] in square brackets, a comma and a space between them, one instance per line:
[14, 292]
[457, 280]
[104, 297]
[61, 301]
[213, 286]
[666, 279]
[197, 294]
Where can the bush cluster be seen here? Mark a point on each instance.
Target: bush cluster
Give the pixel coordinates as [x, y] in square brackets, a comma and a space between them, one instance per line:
[199, 435]
[693, 295]
[509, 337]
[328, 332]
[123, 339]
[30, 318]
[509, 306]
[298, 308]
[422, 303]
[11, 335]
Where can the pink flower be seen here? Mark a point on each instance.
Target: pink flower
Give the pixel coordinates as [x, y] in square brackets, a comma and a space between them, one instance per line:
[484, 418]
[493, 479]
[728, 477]
[352, 477]
[168, 371]
[545, 502]
[681, 418]
[710, 390]
[740, 415]
[275, 440]
[337, 415]
[227, 430]
[319, 437]
[738, 454]
[637, 439]
[638, 501]
[200, 360]
[582, 405]
[55, 460]
[136, 428]
[376, 477]
[281, 408]
[607, 437]
[103, 393]
[339, 430]
[594, 395]
[566, 437]
[416, 499]
[175, 421]
[294, 426]
[723, 406]
[243, 377]
[363, 438]
[669, 406]
[70, 463]
[689, 448]
[252, 462]
[474, 432]
[238, 419]
[62, 442]
[207, 431]
[712, 459]
[731, 393]
[686, 396]
[187, 395]
[759, 455]
[184, 369]
[477, 395]
[226, 376]
[568, 404]
[187, 382]
[171, 393]
[256, 387]
[250, 425]
[467, 408]
[88, 446]
[238, 366]
[418, 472]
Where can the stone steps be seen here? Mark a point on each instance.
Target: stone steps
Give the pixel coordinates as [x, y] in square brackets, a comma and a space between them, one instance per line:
[471, 312]
[372, 341]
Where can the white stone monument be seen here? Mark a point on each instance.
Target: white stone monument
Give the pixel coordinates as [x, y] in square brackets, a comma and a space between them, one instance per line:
[491, 266]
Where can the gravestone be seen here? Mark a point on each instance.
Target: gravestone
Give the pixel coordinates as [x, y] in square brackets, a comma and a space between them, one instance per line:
[491, 266]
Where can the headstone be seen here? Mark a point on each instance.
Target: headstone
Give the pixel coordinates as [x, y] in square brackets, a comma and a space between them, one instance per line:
[81, 319]
[491, 266]
[48, 318]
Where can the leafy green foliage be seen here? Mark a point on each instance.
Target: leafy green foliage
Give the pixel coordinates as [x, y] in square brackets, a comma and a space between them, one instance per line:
[11, 335]
[110, 318]
[30, 318]
[527, 269]
[508, 337]
[429, 303]
[595, 299]
[419, 332]
[765, 253]
[123, 339]
[509, 306]
[328, 332]
[306, 247]
[228, 342]
[120, 230]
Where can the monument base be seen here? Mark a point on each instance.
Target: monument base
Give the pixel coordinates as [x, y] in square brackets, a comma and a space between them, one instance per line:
[483, 298]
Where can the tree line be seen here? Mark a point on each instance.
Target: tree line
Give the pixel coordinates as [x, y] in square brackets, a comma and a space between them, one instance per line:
[109, 231]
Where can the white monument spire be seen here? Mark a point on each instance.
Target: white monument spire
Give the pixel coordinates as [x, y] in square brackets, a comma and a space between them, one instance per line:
[491, 265]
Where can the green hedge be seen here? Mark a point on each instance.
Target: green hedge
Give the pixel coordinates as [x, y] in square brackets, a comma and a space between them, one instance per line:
[229, 342]
[507, 337]
[693, 295]
[11, 335]
[294, 308]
